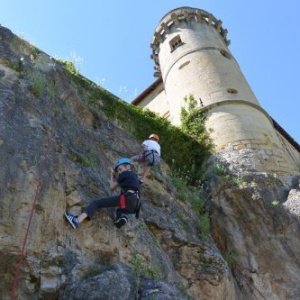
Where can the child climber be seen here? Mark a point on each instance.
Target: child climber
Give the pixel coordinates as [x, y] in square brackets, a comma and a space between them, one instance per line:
[151, 154]
[128, 202]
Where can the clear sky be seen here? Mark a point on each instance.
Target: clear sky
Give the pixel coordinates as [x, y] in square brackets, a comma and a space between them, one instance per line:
[110, 43]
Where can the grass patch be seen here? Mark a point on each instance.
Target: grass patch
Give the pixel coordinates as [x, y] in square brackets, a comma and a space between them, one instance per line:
[191, 194]
[144, 269]
[88, 159]
[230, 257]
[37, 83]
[204, 226]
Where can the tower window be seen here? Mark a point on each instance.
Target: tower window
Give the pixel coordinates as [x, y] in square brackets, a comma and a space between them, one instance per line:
[175, 43]
[232, 91]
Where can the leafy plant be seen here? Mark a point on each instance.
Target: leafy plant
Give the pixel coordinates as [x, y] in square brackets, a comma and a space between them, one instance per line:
[184, 154]
[143, 269]
[220, 170]
[204, 226]
[37, 83]
[192, 194]
[70, 67]
[193, 121]
[230, 257]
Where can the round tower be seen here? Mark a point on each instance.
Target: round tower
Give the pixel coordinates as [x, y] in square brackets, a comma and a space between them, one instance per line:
[191, 55]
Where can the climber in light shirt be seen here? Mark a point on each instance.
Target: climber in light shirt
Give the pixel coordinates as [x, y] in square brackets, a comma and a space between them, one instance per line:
[150, 156]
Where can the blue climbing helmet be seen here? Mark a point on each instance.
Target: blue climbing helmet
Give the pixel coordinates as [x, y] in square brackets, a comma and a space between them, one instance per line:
[122, 161]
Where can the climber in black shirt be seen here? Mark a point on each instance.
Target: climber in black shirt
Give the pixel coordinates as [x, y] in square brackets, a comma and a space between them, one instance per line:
[128, 202]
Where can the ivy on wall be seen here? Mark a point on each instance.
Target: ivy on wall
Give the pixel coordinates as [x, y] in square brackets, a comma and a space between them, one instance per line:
[184, 150]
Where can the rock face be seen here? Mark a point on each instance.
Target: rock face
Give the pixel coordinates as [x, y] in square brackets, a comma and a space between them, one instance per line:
[55, 154]
[255, 223]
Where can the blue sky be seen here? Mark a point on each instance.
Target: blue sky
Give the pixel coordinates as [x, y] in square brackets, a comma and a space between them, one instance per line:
[110, 43]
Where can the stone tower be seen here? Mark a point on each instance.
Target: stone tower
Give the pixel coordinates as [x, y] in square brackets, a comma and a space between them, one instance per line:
[191, 55]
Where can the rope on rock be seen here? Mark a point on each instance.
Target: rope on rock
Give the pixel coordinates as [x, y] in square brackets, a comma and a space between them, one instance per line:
[22, 254]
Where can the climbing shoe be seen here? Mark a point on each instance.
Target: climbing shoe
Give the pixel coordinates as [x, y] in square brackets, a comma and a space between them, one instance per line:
[121, 221]
[72, 220]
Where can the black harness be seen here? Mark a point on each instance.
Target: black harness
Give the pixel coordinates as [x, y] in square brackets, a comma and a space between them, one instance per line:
[122, 201]
[148, 153]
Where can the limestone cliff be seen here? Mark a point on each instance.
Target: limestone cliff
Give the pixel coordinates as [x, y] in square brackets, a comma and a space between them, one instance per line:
[55, 152]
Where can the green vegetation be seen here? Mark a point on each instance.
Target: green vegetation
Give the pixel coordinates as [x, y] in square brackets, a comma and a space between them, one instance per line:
[191, 194]
[193, 121]
[184, 154]
[70, 67]
[34, 51]
[204, 226]
[37, 83]
[88, 159]
[185, 150]
[230, 257]
[16, 66]
[143, 269]
[220, 170]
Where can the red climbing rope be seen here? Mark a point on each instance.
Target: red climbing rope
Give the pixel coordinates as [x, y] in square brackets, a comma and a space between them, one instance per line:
[22, 255]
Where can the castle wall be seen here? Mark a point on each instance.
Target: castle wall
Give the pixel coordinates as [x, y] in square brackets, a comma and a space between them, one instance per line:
[156, 101]
[251, 129]
[291, 151]
[228, 122]
[208, 74]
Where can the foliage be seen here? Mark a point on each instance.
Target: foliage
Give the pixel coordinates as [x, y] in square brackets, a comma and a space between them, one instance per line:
[34, 51]
[230, 257]
[70, 67]
[184, 154]
[88, 159]
[37, 83]
[193, 124]
[191, 194]
[193, 121]
[204, 226]
[16, 66]
[143, 269]
[219, 170]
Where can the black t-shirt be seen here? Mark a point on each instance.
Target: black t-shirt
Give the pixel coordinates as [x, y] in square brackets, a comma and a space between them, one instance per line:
[128, 180]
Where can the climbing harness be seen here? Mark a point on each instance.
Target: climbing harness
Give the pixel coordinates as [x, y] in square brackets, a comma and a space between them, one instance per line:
[147, 153]
[122, 201]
